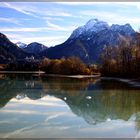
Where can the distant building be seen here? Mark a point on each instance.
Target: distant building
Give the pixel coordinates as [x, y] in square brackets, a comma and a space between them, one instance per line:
[30, 59]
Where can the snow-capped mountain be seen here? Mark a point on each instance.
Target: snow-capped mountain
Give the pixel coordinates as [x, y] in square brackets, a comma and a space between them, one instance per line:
[93, 25]
[88, 41]
[21, 45]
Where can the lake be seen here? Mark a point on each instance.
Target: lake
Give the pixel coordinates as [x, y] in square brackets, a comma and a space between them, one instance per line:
[34, 107]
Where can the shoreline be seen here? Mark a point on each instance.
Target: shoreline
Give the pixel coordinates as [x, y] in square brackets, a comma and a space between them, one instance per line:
[43, 74]
[72, 76]
[22, 72]
[132, 82]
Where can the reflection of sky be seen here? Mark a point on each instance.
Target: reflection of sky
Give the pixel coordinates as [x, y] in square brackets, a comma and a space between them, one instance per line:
[51, 117]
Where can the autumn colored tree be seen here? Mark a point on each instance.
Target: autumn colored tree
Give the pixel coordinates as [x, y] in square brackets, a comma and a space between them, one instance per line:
[122, 60]
[65, 66]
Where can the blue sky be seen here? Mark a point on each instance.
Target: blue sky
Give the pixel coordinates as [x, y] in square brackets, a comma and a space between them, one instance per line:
[52, 23]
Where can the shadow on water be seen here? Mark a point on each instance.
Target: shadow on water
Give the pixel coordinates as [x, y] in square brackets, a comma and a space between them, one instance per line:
[95, 100]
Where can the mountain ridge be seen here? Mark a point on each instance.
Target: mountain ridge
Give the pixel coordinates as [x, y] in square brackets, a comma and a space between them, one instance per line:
[86, 42]
[35, 48]
[10, 51]
[93, 36]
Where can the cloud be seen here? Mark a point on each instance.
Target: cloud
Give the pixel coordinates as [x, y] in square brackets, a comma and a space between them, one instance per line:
[25, 9]
[60, 20]
[55, 13]
[55, 27]
[53, 19]
[48, 41]
[10, 20]
[51, 27]
[34, 34]
[18, 29]
[35, 11]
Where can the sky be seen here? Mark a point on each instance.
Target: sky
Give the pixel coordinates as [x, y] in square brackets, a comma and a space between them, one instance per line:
[51, 23]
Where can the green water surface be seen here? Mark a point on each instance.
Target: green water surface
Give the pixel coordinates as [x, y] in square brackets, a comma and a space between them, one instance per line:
[33, 107]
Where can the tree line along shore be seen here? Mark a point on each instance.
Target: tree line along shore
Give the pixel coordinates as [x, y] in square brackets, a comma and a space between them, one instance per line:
[115, 61]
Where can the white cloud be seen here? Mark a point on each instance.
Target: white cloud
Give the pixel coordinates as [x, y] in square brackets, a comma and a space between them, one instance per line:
[20, 34]
[48, 41]
[51, 27]
[18, 29]
[25, 9]
[10, 20]
[54, 26]
[56, 13]
[35, 29]
[51, 14]
[35, 10]
[53, 18]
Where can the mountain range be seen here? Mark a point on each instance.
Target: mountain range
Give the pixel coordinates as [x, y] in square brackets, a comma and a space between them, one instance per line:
[86, 42]
[10, 51]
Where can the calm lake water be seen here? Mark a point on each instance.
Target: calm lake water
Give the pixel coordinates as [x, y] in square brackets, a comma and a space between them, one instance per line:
[32, 107]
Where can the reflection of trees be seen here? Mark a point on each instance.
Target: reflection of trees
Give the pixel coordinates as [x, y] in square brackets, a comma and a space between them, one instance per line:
[110, 83]
[12, 86]
[67, 84]
[104, 105]
[109, 99]
[35, 88]
[5, 92]
[114, 101]
[122, 102]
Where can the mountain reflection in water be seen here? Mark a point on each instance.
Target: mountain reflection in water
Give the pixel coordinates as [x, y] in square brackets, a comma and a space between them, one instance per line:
[95, 100]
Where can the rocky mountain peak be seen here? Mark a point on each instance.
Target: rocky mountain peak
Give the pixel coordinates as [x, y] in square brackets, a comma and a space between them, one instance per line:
[93, 25]
[125, 29]
[96, 25]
